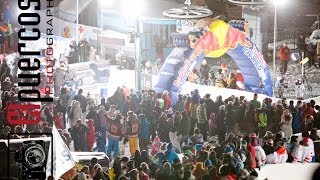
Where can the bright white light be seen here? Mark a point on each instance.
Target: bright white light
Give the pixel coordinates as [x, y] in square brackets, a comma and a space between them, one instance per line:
[280, 2]
[107, 3]
[132, 7]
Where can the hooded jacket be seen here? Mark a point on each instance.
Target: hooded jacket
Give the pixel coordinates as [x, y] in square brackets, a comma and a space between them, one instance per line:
[282, 154]
[90, 135]
[170, 154]
[58, 121]
[132, 125]
[144, 129]
[301, 154]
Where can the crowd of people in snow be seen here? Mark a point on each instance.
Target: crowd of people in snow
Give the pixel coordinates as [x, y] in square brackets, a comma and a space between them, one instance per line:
[196, 138]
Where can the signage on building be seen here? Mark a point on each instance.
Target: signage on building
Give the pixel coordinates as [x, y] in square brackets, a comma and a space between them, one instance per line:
[184, 26]
[146, 81]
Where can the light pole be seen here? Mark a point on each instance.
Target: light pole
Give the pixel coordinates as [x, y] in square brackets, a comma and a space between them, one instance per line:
[274, 47]
[77, 23]
[133, 9]
[101, 31]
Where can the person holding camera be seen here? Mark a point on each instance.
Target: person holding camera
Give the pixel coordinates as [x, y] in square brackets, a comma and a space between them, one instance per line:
[284, 58]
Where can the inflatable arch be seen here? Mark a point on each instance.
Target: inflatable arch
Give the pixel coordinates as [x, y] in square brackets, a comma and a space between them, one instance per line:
[213, 38]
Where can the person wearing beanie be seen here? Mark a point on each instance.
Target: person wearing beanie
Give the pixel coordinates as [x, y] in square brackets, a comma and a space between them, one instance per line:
[132, 131]
[270, 151]
[245, 155]
[260, 153]
[199, 171]
[302, 153]
[230, 159]
[207, 163]
[281, 151]
[144, 134]
[290, 146]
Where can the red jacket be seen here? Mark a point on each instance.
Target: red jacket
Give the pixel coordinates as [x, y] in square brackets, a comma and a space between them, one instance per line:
[284, 54]
[253, 155]
[58, 121]
[90, 135]
[167, 102]
[239, 77]
[308, 110]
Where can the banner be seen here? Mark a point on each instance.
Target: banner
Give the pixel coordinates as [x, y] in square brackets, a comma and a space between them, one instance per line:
[62, 159]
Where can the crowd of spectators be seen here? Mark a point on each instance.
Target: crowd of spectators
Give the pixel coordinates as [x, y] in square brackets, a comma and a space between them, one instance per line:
[197, 138]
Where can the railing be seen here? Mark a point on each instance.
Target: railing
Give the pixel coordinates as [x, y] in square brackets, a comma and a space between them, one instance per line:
[283, 35]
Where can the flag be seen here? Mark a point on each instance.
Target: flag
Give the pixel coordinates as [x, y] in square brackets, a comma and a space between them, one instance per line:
[62, 159]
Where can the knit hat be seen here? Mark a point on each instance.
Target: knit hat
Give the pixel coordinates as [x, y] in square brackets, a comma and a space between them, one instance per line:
[305, 141]
[253, 135]
[198, 147]
[207, 163]
[228, 150]
[156, 139]
[254, 141]
[244, 144]
[188, 153]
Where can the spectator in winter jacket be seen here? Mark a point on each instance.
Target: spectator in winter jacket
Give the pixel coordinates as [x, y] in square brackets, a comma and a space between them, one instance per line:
[245, 155]
[179, 104]
[170, 155]
[102, 116]
[78, 134]
[213, 128]
[202, 120]
[297, 121]
[270, 151]
[210, 105]
[75, 113]
[230, 159]
[58, 120]
[284, 58]
[302, 153]
[175, 139]
[254, 102]
[156, 145]
[222, 128]
[308, 110]
[286, 124]
[167, 100]
[95, 117]
[144, 134]
[114, 134]
[90, 135]
[83, 100]
[282, 154]
[260, 154]
[132, 131]
[305, 134]
[184, 128]
[198, 137]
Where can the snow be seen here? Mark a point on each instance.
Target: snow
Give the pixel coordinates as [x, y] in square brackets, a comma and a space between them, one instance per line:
[292, 171]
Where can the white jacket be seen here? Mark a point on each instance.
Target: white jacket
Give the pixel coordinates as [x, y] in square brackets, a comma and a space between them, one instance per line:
[175, 140]
[260, 155]
[311, 147]
[272, 158]
[282, 157]
[301, 154]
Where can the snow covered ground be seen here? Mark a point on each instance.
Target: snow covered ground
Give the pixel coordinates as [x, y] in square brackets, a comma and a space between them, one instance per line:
[290, 171]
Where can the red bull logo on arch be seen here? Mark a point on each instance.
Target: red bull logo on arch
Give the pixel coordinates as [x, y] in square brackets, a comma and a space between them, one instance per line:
[217, 38]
